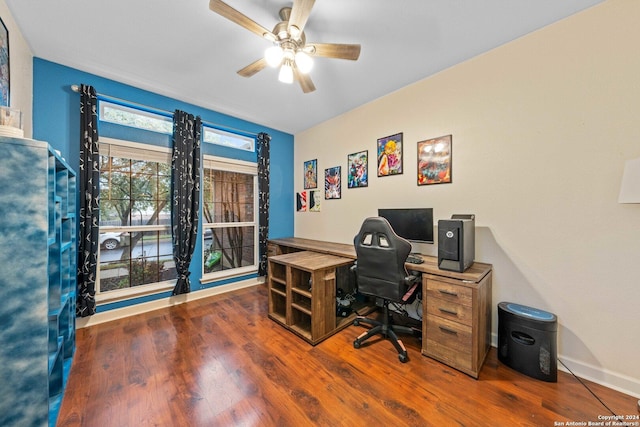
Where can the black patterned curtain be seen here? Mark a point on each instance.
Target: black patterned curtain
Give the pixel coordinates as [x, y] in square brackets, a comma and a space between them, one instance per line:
[89, 179]
[263, 192]
[185, 190]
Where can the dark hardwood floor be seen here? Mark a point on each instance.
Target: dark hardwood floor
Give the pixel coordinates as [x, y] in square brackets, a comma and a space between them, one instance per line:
[221, 362]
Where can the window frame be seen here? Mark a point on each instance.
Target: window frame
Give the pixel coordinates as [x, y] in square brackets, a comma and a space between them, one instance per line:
[146, 152]
[237, 166]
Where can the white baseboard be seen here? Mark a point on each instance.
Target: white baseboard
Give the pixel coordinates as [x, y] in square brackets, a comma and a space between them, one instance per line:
[596, 374]
[119, 313]
[605, 377]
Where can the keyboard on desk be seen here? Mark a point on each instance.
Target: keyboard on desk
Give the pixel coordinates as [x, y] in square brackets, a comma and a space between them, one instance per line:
[415, 259]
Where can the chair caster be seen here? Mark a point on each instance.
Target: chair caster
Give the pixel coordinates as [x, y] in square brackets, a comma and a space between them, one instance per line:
[356, 344]
[403, 358]
[356, 322]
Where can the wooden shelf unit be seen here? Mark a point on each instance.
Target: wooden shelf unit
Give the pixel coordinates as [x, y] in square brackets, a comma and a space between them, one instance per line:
[302, 293]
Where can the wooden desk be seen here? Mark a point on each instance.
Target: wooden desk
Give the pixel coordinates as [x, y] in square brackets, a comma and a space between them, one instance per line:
[294, 244]
[456, 327]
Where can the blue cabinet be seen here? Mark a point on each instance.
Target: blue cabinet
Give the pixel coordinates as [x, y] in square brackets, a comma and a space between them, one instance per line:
[37, 280]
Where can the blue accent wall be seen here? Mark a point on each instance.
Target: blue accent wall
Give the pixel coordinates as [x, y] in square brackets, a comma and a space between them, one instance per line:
[56, 119]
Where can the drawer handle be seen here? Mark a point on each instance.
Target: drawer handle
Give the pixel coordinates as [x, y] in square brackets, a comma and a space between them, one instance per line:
[447, 311]
[448, 331]
[450, 293]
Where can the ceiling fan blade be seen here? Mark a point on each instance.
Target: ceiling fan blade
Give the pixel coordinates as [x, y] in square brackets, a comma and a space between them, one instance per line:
[300, 13]
[334, 50]
[253, 68]
[233, 15]
[305, 81]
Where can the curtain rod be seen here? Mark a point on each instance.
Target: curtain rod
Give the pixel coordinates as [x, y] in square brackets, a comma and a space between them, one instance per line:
[165, 113]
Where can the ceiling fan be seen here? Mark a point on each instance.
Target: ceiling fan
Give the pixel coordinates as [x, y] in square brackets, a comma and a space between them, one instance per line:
[290, 50]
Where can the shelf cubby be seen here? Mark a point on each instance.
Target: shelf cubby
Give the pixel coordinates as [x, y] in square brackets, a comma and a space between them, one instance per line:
[278, 305]
[301, 302]
[301, 323]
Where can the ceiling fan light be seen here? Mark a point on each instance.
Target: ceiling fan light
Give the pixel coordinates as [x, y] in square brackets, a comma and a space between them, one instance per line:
[303, 62]
[274, 55]
[286, 73]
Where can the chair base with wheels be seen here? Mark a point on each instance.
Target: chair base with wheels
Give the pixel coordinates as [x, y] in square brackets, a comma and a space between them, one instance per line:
[387, 329]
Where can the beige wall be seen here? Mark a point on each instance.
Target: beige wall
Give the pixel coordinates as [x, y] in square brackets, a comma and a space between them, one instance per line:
[541, 129]
[21, 69]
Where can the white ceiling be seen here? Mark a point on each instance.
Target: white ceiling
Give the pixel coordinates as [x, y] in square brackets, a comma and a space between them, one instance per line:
[179, 48]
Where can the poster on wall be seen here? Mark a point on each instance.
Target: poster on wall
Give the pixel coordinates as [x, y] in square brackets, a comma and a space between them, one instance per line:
[301, 201]
[332, 184]
[434, 161]
[357, 167]
[311, 174]
[389, 151]
[315, 197]
[4, 65]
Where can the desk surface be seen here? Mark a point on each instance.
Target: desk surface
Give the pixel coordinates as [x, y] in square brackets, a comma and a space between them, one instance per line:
[474, 274]
[311, 260]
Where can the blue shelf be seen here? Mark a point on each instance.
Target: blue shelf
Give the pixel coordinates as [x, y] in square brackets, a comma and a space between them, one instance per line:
[42, 188]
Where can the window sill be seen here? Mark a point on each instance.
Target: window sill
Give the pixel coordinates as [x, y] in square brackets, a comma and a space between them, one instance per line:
[135, 292]
[227, 274]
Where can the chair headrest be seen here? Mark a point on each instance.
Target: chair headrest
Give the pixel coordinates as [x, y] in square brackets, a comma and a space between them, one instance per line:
[376, 226]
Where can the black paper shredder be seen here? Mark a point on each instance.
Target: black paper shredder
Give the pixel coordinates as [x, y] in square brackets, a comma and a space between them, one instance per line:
[527, 340]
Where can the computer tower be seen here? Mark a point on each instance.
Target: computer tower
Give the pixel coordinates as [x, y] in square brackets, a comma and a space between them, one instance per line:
[456, 242]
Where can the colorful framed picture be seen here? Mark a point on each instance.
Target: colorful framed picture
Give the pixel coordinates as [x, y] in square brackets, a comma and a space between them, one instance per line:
[301, 201]
[311, 174]
[434, 161]
[315, 197]
[332, 184]
[4, 65]
[358, 169]
[389, 151]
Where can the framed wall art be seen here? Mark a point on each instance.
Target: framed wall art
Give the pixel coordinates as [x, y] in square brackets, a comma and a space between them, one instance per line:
[315, 197]
[311, 174]
[332, 184]
[434, 161]
[301, 201]
[4, 65]
[389, 151]
[358, 169]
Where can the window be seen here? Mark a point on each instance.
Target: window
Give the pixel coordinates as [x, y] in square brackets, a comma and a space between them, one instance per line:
[228, 139]
[229, 207]
[135, 219]
[140, 118]
[135, 117]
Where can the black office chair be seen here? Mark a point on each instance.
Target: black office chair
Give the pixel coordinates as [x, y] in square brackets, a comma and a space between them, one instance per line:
[380, 273]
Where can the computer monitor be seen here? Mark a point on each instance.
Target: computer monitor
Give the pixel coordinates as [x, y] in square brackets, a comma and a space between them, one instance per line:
[413, 224]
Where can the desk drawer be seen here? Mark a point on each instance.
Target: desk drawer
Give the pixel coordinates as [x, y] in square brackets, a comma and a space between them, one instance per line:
[451, 310]
[450, 292]
[450, 342]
